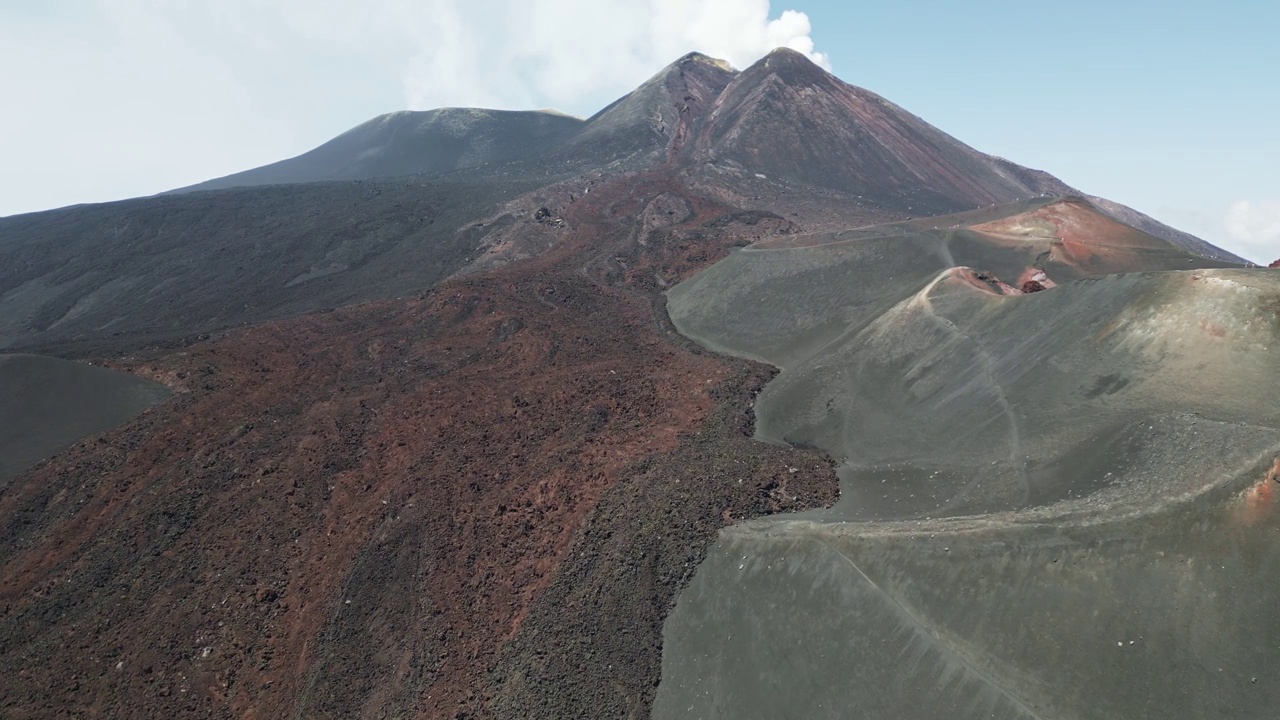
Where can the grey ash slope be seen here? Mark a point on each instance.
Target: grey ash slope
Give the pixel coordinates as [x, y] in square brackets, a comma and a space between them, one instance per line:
[1058, 504]
[413, 143]
[179, 265]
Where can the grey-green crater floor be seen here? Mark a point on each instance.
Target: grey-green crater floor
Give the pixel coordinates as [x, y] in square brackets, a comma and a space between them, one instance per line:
[1053, 505]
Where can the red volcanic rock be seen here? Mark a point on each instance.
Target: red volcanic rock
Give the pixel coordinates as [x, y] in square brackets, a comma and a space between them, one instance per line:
[363, 511]
[1076, 234]
[1275, 264]
[1031, 286]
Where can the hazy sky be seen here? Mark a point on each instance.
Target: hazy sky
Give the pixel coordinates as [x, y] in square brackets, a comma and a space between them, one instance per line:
[1170, 107]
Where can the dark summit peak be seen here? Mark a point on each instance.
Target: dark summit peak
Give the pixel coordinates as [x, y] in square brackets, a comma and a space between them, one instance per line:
[786, 54]
[786, 117]
[790, 66]
[697, 58]
[657, 114]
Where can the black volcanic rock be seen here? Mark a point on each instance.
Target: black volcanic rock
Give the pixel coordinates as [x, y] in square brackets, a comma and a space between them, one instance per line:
[411, 143]
[786, 117]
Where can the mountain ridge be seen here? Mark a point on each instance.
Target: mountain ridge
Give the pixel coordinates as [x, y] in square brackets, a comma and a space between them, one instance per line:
[413, 143]
[681, 109]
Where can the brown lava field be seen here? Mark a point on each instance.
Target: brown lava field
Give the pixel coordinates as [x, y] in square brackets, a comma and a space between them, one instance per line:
[477, 501]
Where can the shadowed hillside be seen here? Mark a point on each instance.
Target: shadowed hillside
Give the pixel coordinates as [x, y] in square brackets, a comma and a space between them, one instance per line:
[181, 265]
[413, 143]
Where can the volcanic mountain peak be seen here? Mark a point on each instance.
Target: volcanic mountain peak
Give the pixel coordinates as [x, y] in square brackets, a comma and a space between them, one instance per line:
[660, 111]
[695, 57]
[793, 67]
[785, 116]
[414, 142]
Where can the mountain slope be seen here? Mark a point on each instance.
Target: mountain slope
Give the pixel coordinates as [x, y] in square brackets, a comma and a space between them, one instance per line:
[786, 117]
[413, 143]
[181, 265]
[1148, 224]
[657, 115]
[649, 118]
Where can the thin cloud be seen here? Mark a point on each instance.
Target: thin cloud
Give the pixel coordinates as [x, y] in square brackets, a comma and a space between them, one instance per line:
[519, 54]
[1253, 229]
[551, 52]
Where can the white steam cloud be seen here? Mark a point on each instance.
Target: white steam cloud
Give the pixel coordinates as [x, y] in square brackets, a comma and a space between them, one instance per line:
[569, 53]
[107, 99]
[1254, 228]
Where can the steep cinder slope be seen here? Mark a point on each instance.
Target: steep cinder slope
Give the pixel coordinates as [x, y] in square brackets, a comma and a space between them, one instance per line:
[631, 130]
[413, 143]
[786, 117]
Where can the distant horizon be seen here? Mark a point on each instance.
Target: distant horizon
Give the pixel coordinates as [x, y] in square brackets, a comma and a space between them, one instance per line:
[177, 96]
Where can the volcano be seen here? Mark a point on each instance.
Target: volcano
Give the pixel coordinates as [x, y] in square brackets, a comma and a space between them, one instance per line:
[751, 396]
[412, 143]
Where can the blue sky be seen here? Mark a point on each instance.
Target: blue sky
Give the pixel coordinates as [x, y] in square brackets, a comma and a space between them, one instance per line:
[1169, 107]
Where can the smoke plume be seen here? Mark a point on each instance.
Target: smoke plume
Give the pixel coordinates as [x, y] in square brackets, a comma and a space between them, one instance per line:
[1253, 228]
[572, 54]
